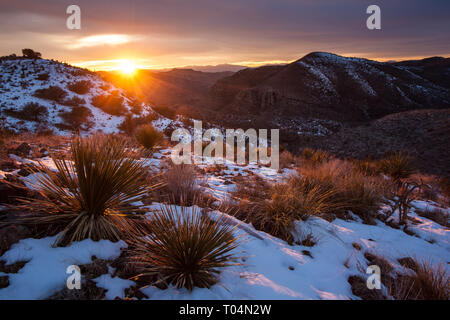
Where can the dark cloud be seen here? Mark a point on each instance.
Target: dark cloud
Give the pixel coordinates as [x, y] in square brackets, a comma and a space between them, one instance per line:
[229, 30]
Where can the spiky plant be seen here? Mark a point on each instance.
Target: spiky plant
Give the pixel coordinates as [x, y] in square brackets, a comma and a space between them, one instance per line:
[184, 248]
[148, 136]
[90, 195]
[397, 165]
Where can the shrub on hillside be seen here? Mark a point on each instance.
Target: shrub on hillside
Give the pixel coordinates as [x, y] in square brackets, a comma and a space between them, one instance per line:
[80, 87]
[32, 111]
[110, 103]
[53, 93]
[184, 249]
[31, 54]
[77, 118]
[43, 76]
[148, 136]
[74, 102]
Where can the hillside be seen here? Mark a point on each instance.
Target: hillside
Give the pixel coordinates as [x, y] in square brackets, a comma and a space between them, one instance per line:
[328, 86]
[172, 88]
[40, 95]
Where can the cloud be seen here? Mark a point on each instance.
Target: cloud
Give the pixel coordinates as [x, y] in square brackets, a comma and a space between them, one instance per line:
[102, 39]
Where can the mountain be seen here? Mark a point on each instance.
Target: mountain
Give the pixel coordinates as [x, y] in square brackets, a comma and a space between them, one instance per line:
[172, 88]
[327, 86]
[217, 68]
[43, 95]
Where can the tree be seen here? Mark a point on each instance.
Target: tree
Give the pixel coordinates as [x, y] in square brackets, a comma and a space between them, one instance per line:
[31, 54]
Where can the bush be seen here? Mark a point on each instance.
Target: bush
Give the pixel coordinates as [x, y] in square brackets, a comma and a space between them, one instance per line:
[315, 157]
[77, 118]
[148, 136]
[31, 54]
[427, 282]
[182, 184]
[90, 196]
[53, 93]
[111, 104]
[80, 87]
[43, 77]
[31, 112]
[184, 249]
[74, 102]
[397, 165]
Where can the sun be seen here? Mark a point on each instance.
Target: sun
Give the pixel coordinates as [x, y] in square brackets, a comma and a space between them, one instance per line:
[127, 67]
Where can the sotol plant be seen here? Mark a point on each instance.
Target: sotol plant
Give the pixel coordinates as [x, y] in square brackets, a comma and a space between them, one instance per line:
[91, 195]
[184, 248]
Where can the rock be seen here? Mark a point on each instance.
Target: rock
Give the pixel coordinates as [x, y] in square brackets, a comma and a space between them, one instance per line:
[8, 191]
[4, 282]
[8, 165]
[12, 234]
[23, 150]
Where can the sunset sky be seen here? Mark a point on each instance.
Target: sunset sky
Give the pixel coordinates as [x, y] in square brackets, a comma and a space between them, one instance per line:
[175, 33]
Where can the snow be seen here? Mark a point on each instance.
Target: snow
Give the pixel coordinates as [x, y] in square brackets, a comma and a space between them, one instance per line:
[45, 272]
[14, 96]
[115, 286]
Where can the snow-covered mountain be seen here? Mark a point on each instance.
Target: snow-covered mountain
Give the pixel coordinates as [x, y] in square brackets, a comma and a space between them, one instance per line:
[45, 94]
[328, 86]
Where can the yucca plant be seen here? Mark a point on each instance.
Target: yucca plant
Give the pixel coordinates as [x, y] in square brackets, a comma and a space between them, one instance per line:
[184, 248]
[397, 165]
[90, 195]
[148, 136]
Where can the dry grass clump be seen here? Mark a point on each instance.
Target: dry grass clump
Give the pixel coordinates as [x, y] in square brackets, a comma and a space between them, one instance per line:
[348, 189]
[181, 183]
[286, 159]
[89, 196]
[185, 249]
[315, 157]
[437, 215]
[80, 87]
[428, 281]
[326, 189]
[148, 136]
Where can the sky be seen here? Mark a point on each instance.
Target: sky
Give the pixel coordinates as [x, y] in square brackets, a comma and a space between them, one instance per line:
[175, 33]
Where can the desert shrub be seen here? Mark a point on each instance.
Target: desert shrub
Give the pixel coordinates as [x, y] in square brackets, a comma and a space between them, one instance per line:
[43, 76]
[286, 159]
[148, 136]
[350, 189]
[437, 215]
[315, 157]
[366, 167]
[53, 93]
[31, 54]
[184, 249]
[91, 195]
[397, 165]
[110, 103]
[182, 183]
[80, 87]
[136, 106]
[32, 111]
[74, 102]
[329, 189]
[77, 118]
[165, 111]
[428, 281]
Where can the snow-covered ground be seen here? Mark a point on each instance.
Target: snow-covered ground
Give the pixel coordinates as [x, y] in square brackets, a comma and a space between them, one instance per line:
[271, 269]
[18, 83]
